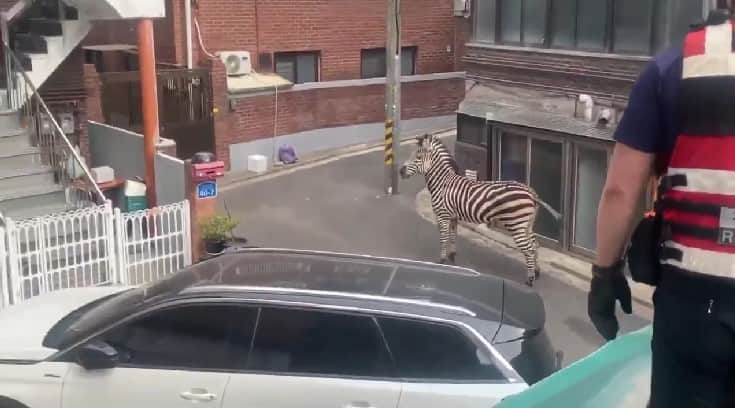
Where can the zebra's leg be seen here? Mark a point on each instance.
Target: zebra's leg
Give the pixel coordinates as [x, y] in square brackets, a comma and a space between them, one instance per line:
[453, 240]
[520, 236]
[444, 234]
[536, 267]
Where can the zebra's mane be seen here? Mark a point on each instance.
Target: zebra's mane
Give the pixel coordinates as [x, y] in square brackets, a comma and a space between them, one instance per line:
[444, 153]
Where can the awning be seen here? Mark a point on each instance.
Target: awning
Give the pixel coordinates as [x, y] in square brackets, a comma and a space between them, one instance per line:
[551, 114]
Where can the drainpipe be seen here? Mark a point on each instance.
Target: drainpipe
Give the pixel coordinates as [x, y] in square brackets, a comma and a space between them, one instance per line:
[149, 97]
[189, 48]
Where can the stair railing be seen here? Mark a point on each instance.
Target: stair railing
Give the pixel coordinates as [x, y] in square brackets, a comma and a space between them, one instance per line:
[56, 150]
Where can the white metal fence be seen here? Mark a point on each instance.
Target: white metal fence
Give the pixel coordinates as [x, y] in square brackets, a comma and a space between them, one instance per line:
[153, 243]
[91, 247]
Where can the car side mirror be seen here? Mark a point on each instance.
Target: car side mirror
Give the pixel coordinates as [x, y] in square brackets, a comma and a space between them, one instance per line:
[97, 355]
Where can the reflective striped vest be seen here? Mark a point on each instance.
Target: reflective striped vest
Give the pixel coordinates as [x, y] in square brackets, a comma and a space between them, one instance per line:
[699, 198]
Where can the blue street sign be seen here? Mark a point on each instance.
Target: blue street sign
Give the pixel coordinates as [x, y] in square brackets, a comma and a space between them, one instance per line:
[207, 189]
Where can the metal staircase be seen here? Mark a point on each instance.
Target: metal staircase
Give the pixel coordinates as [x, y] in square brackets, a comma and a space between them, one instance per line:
[41, 172]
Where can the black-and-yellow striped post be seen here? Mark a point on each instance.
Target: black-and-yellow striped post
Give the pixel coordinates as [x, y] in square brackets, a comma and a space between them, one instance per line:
[389, 143]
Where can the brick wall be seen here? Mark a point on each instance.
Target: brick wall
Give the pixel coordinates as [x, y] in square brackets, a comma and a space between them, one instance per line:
[337, 28]
[253, 117]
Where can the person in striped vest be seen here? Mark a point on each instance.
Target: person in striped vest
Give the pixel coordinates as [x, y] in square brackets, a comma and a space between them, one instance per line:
[679, 124]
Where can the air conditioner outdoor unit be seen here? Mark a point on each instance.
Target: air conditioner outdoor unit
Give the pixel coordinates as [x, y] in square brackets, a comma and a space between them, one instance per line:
[237, 62]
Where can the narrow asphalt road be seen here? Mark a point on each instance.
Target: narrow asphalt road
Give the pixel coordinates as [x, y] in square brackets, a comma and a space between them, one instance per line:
[339, 206]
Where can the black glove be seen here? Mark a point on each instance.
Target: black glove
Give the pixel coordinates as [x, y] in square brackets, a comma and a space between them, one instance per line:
[608, 285]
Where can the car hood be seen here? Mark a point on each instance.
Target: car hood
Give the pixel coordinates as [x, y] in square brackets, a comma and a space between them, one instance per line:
[617, 375]
[24, 326]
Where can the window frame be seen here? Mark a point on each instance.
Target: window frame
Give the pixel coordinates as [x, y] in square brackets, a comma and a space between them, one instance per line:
[292, 56]
[378, 50]
[609, 29]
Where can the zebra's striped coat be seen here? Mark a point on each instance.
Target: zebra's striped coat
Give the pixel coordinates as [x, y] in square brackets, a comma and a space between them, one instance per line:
[507, 204]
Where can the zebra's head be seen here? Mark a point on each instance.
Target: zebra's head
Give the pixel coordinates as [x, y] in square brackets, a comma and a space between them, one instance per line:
[430, 152]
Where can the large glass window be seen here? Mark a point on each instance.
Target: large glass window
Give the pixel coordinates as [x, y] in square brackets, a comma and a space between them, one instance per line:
[309, 342]
[485, 20]
[513, 157]
[621, 26]
[427, 351]
[546, 178]
[591, 173]
[510, 20]
[563, 23]
[534, 22]
[632, 32]
[591, 24]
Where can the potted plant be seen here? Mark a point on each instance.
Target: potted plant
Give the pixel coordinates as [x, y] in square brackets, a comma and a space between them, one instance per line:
[216, 231]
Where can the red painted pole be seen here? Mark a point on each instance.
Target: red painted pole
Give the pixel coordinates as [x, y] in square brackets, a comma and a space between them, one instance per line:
[149, 96]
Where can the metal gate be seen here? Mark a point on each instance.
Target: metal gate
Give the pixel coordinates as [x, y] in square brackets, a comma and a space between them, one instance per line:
[184, 101]
[93, 246]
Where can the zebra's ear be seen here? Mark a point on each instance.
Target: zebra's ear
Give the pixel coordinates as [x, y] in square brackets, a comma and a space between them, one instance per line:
[420, 140]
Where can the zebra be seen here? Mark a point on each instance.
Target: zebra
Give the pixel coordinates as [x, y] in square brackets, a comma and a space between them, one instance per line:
[510, 205]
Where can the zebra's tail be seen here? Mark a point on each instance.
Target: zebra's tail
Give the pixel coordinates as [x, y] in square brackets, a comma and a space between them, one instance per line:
[550, 209]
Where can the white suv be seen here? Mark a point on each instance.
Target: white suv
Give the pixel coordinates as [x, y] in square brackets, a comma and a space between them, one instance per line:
[279, 329]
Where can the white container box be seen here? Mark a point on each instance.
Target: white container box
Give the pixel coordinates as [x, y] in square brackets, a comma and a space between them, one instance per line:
[257, 163]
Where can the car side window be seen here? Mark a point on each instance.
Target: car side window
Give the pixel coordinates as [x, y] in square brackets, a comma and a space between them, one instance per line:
[312, 342]
[430, 351]
[199, 337]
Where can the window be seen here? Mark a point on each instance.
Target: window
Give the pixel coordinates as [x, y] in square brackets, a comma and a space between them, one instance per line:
[309, 342]
[591, 24]
[373, 62]
[471, 130]
[298, 67]
[546, 178]
[429, 351]
[591, 174]
[621, 26]
[484, 20]
[633, 28]
[522, 21]
[195, 337]
[513, 157]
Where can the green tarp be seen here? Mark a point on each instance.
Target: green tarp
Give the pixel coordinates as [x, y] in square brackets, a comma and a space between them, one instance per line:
[617, 375]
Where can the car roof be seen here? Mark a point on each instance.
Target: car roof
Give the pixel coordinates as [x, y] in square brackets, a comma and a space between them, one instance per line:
[383, 283]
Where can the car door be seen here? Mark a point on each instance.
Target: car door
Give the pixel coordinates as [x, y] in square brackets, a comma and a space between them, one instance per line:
[441, 365]
[174, 357]
[315, 359]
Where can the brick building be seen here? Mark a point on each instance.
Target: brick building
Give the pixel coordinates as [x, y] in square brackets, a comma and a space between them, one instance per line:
[550, 81]
[331, 50]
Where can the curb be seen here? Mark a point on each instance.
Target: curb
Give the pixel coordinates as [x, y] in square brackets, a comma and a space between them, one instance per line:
[232, 180]
[566, 268]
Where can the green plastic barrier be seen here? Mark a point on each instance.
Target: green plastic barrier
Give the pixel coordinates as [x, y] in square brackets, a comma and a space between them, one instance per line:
[617, 375]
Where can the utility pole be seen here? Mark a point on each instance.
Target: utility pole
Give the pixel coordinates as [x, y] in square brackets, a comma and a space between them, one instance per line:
[392, 93]
[149, 97]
